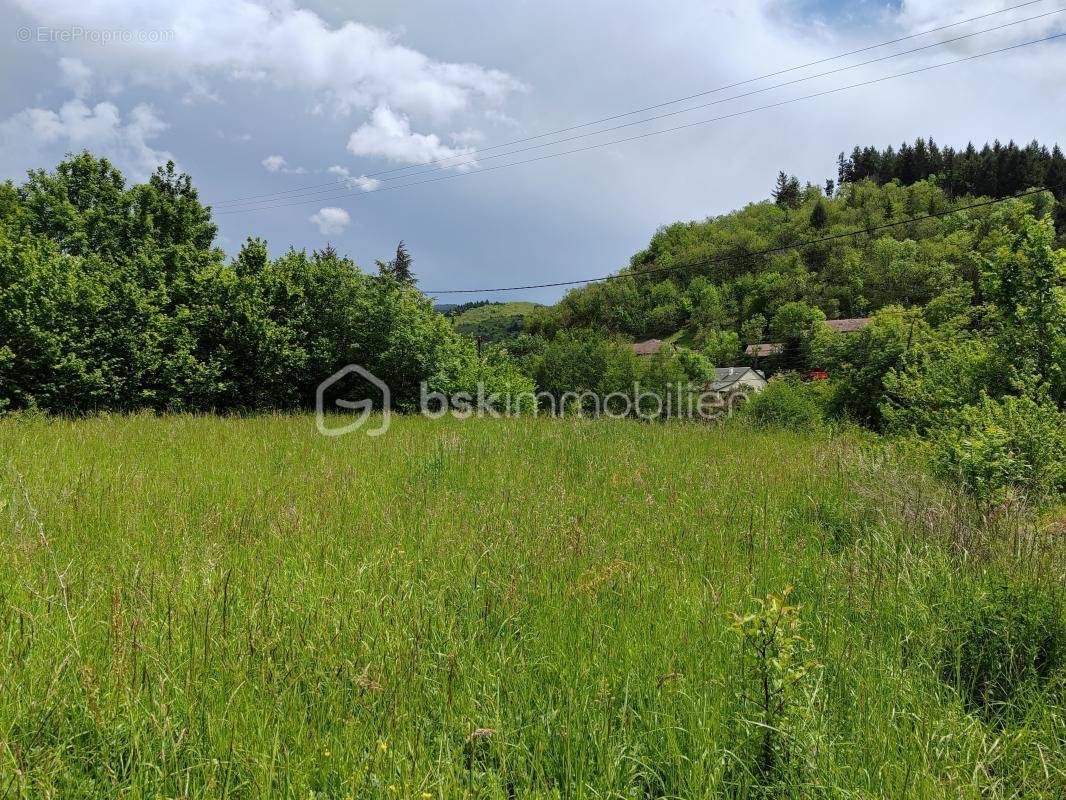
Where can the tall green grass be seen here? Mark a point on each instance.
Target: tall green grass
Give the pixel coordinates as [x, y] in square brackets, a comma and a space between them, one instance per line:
[207, 607]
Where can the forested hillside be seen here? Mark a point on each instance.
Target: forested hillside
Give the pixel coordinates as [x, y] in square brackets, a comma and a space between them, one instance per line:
[967, 297]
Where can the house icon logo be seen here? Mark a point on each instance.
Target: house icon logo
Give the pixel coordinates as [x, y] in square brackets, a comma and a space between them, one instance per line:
[365, 407]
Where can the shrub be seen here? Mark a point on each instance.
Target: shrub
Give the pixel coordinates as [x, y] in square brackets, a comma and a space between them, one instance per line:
[776, 664]
[1010, 639]
[787, 402]
[1006, 449]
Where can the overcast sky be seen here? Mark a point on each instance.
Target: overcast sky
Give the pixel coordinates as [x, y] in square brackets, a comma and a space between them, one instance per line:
[256, 98]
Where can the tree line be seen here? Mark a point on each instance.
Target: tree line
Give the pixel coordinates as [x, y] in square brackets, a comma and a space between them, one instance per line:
[115, 297]
[993, 171]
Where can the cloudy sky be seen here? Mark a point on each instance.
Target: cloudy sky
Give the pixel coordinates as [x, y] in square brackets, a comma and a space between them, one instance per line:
[298, 118]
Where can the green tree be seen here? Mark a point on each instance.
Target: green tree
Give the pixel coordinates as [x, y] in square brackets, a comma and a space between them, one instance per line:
[1026, 282]
[787, 193]
[401, 265]
[819, 215]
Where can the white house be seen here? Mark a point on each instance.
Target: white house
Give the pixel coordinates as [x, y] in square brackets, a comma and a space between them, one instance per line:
[731, 379]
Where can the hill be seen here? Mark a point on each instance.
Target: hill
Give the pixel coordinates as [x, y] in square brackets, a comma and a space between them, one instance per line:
[494, 322]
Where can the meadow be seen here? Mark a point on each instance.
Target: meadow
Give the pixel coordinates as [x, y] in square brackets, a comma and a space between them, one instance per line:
[197, 606]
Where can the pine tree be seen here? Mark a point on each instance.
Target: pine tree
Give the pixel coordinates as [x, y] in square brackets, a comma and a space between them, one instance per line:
[780, 192]
[787, 191]
[1055, 177]
[400, 266]
[845, 170]
[819, 214]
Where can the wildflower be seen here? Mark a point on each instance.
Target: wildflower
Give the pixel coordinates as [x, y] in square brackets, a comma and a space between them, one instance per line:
[383, 746]
[426, 795]
[392, 787]
[326, 753]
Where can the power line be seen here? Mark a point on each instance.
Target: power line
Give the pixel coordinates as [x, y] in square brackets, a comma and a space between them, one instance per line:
[649, 134]
[754, 254]
[474, 161]
[663, 104]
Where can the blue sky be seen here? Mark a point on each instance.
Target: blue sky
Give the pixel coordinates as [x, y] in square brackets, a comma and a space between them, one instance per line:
[261, 97]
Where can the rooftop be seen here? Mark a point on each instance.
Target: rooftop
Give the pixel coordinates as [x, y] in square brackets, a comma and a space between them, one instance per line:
[764, 349]
[724, 377]
[849, 325]
[647, 348]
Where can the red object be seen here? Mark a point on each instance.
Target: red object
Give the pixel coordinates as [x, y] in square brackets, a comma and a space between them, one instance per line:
[816, 375]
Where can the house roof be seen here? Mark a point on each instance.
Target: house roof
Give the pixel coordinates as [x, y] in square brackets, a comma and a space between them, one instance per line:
[849, 325]
[764, 349]
[647, 348]
[724, 377]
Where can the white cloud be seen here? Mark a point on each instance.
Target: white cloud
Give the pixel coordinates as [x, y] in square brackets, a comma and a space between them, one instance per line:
[468, 136]
[76, 75]
[919, 15]
[274, 163]
[331, 220]
[389, 135]
[353, 181]
[275, 41]
[277, 163]
[100, 129]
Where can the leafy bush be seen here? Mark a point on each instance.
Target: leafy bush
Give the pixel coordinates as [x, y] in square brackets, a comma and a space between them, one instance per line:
[786, 401]
[1004, 450]
[776, 665]
[1010, 638]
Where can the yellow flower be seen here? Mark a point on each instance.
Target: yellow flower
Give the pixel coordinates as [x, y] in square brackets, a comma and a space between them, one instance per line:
[392, 787]
[383, 746]
[326, 753]
[426, 795]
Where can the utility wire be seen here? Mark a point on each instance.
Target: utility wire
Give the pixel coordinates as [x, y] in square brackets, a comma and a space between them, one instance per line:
[663, 104]
[754, 254]
[476, 160]
[636, 137]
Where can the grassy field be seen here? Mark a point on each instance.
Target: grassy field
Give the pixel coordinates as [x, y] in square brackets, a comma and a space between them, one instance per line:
[207, 607]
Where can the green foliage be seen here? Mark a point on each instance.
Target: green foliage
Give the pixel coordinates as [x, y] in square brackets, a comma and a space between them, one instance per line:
[720, 347]
[786, 192]
[1026, 284]
[820, 214]
[1004, 450]
[912, 264]
[401, 265]
[776, 664]
[1008, 641]
[858, 362]
[795, 321]
[116, 298]
[785, 402]
[586, 361]
[495, 372]
[995, 169]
